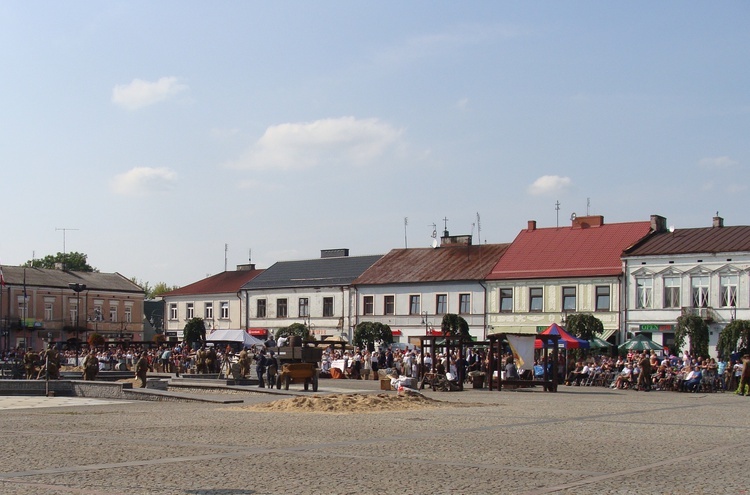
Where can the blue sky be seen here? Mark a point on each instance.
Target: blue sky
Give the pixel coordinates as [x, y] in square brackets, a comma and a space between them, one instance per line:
[163, 131]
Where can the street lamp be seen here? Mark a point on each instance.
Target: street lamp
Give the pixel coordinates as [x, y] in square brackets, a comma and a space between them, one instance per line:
[77, 288]
[425, 322]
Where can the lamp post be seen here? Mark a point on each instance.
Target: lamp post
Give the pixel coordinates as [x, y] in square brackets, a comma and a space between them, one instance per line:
[77, 288]
[425, 322]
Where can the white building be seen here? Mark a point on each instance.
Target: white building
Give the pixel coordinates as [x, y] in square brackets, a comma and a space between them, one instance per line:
[697, 271]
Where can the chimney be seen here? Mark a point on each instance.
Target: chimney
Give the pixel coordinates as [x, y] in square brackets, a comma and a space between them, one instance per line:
[246, 267]
[455, 240]
[532, 225]
[718, 221]
[587, 221]
[658, 223]
[334, 253]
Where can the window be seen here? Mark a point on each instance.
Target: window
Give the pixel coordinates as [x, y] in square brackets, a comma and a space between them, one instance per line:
[536, 299]
[464, 304]
[281, 308]
[73, 313]
[441, 304]
[643, 292]
[506, 300]
[304, 306]
[328, 306]
[699, 285]
[98, 315]
[208, 311]
[224, 308]
[671, 292]
[602, 298]
[729, 291]
[389, 305]
[368, 305]
[173, 311]
[189, 311]
[113, 313]
[261, 308]
[414, 307]
[128, 315]
[48, 311]
[569, 298]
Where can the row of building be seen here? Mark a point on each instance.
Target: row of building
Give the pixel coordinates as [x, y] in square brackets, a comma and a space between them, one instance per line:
[633, 276]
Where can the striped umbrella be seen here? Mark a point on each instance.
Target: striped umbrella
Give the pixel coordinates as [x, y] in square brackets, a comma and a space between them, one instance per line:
[640, 343]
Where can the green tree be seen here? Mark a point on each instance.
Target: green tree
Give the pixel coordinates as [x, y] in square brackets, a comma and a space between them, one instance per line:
[297, 329]
[734, 337]
[696, 329]
[162, 288]
[195, 332]
[584, 326]
[455, 326]
[368, 333]
[74, 262]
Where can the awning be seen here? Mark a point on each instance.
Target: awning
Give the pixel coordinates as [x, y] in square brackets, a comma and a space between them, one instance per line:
[434, 332]
[258, 332]
[607, 334]
[396, 333]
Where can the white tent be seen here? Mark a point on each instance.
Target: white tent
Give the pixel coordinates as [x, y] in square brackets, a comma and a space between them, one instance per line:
[239, 336]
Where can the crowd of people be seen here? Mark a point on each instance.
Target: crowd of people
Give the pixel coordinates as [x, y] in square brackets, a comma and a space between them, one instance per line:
[643, 371]
[646, 371]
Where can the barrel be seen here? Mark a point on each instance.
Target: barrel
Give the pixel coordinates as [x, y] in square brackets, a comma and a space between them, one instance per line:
[295, 341]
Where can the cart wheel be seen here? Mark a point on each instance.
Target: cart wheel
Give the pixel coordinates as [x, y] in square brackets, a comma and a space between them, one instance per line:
[278, 382]
[287, 381]
[315, 383]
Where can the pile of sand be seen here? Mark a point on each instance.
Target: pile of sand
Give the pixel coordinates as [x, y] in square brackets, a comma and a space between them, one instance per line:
[350, 403]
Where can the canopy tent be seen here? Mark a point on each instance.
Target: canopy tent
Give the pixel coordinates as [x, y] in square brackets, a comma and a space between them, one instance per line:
[599, 343]
[238, 336]
[567, 341]
[640, 343]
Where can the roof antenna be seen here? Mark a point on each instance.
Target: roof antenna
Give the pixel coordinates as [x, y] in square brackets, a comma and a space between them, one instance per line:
[588, 205]
[226, 248]
[557, 212]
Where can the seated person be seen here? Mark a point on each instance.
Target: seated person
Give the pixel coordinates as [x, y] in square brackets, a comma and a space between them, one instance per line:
[573, 375]
[624, 377]
[583, 375]
[511, 372]
[692, 380]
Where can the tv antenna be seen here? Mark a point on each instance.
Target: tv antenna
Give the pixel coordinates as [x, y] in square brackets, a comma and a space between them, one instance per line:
[479, 230]
[64, 230]
[557, 212]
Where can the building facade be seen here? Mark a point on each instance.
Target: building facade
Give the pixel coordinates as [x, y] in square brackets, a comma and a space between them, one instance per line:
[549, 273]
[40, 305]
[317, 293]
[217, 299]
[702, 272]
[411, 290]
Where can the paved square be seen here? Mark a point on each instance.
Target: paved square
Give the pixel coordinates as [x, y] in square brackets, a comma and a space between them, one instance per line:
[580, 440]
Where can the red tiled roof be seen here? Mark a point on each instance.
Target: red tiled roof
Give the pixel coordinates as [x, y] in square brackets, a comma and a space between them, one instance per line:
[446, 263]
[568, 251]
[695, 241]
[221, 283]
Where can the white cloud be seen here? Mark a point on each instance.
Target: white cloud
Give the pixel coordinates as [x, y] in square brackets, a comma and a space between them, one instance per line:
[296, 146]
[718, 162]
[140, 93]
[141, 181]
[549, 184]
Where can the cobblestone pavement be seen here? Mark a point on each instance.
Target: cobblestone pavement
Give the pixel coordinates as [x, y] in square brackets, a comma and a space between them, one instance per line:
[581, 440]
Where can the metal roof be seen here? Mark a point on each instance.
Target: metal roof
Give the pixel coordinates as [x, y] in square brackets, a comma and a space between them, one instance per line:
[441, 264]
[557, 252]
[321, 272]
[228, 282]
[707, 240]
[45, 277]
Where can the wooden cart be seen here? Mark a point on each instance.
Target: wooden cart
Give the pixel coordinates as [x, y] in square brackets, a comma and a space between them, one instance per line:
[306, 373]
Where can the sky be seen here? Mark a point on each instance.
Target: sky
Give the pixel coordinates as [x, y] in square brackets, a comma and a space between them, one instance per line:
[167, 140]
